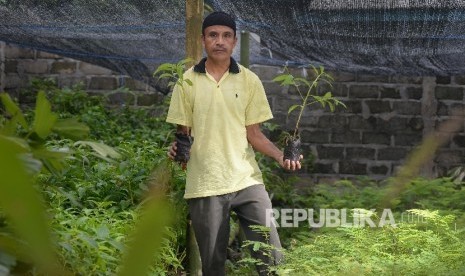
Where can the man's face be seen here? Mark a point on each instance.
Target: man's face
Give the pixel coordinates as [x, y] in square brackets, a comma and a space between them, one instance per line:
[219, 41]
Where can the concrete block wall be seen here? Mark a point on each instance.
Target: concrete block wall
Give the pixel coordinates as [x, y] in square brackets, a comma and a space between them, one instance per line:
[386, 118]
[19, 65]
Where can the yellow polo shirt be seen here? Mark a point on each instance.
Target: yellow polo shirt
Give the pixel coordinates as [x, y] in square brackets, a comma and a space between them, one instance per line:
[222, 161]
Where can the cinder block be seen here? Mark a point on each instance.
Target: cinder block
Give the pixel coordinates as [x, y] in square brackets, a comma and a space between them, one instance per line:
[13, 81]
[29, 66]
[11, 66]
[46, 55]
[103, 83]
[148, 99]
[90, 69]
[63, 67]
[15, 52]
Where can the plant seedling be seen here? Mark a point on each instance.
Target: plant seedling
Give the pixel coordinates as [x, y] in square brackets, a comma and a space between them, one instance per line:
[174, 73]
[307, 87]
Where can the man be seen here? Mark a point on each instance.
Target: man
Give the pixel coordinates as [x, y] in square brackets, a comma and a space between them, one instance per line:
[222, 110]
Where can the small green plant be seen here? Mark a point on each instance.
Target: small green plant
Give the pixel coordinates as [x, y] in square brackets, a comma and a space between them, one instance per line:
[263, 253]
[174, 72]
[307, 89]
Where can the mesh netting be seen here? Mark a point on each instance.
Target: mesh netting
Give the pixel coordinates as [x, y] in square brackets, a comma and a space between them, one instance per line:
[405, 37]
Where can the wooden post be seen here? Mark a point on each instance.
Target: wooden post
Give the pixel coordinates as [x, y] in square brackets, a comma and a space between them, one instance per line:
[2, 66]
[194, 18]
[245, 49]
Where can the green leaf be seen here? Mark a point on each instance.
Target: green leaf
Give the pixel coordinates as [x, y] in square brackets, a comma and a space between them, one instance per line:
[179, 71]
[13, 247]
[9, 127]
[116, 244]
[280, 78]
[331, 106]
[100, 148]
[44, 118]
[54, 161]
[31, 164]
[285, 79]
[340, 103]
[103, 232]
[328, 95]
[71, 128]
[185, 61]
[328, 79]
[292, 108]
[13, 109]
[304, 81]
[146, 239]
[165, 67]
[165, 75]
[18, 141]
[256, 246]
[23, 206]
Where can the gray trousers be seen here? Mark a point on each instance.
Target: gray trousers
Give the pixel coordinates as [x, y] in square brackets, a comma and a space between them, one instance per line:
[210, 219]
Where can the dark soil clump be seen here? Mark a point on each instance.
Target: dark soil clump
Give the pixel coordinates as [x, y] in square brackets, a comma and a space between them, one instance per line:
[292, 150]
[183, 147]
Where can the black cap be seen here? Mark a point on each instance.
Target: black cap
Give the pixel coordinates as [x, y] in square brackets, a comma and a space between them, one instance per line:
[219, 18]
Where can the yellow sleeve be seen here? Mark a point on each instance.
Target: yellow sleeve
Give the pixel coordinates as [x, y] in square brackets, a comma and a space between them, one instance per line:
[180, 111]
[258, 109]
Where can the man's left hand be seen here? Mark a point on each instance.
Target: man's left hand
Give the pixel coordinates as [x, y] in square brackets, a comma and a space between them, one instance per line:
[291, 165]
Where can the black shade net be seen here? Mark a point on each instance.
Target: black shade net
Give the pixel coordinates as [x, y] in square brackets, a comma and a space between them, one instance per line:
[397, 37]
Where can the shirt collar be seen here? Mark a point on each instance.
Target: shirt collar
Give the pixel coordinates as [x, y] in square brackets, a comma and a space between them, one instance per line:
[200, 67]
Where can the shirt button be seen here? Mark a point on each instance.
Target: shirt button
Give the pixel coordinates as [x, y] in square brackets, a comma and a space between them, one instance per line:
[218, 86]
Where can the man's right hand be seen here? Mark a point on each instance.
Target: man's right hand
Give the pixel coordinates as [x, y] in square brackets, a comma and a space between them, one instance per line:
[172, 150]
[172, 153]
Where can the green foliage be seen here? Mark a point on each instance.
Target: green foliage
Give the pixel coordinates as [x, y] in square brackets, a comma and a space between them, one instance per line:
[32, 137]
[309, 94]
[436, 194]
[173, 72]
[346, 194]
[91, 241]
[21, 204]
[24, 153]
[431, 248]
[98, 192]
[147, 238]
[140, 139]
[264, 248]
[96, 201]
